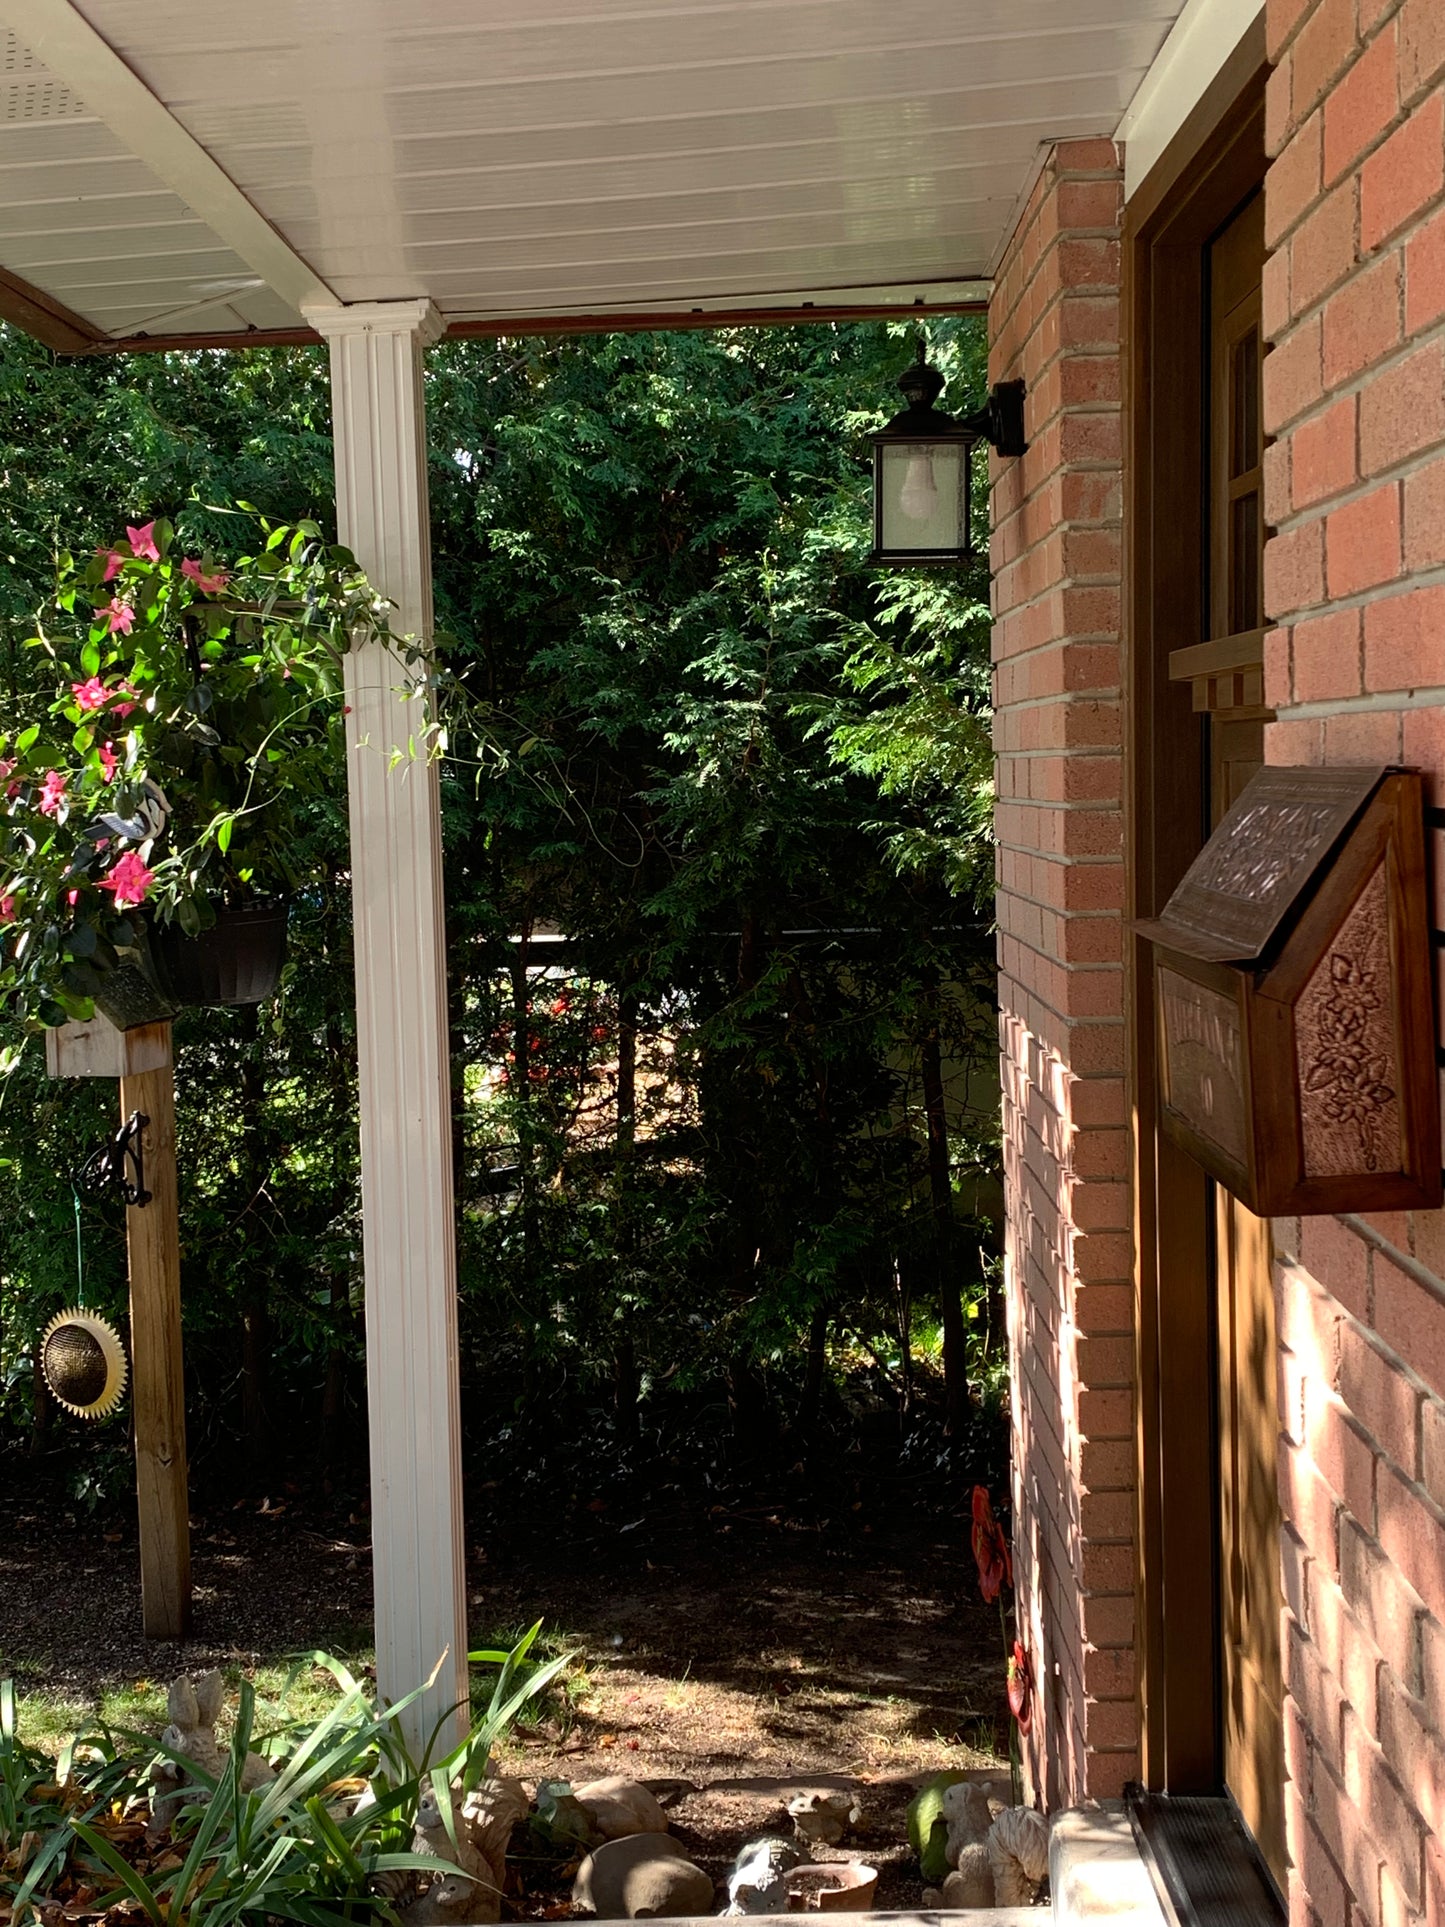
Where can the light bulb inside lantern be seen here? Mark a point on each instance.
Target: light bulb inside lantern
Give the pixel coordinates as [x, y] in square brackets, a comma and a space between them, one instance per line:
[918, 497]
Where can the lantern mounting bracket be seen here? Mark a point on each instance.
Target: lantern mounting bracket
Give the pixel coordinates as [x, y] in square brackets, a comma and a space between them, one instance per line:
[1000, 422]
[120, 1162]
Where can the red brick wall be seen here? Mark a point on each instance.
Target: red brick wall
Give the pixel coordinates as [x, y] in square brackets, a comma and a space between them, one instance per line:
[1355, 582]
[1054, 320]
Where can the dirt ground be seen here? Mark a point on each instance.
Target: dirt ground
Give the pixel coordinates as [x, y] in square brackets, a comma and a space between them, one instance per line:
[729, 1670]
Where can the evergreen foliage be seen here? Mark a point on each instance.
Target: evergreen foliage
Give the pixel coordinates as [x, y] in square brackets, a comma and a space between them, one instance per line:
[718, 878]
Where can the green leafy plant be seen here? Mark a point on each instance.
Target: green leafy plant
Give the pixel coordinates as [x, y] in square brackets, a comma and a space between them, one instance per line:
[289, 1849]
[311, 1845]
[193, 712]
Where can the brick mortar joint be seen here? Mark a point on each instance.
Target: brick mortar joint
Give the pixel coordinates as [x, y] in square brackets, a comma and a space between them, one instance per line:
[1070, 291]
[1360, 384]
[1069, 465]
[1354, 168]
[1393, 589]
[1371, 1339]
[1396, 244]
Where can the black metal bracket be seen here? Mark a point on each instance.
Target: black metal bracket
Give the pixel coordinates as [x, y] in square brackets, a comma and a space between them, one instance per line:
[121, 1163]
[1000, 421]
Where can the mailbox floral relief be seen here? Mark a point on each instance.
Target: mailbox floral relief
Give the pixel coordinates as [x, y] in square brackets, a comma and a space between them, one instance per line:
[166, 778]
[1293, 996]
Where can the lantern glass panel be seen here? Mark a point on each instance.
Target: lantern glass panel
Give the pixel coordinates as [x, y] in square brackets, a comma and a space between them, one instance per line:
[923, 497]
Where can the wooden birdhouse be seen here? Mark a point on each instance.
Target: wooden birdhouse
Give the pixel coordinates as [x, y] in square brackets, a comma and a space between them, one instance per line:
[1294, 1009]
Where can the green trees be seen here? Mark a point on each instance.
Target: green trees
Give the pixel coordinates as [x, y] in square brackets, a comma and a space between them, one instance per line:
[718, 884]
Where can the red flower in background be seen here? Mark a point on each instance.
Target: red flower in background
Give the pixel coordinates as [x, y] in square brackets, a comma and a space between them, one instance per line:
[90, 695]
[990, 1547]
[1021, 1687]
[211, 584]
[143, 541]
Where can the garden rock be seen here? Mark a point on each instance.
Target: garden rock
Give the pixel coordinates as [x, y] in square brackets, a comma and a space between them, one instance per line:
[1018, 1852]
[758, 1883]
[641, 1877]
[194, 1706]
[967, 1814]
[617, 1807]
[822, 1816]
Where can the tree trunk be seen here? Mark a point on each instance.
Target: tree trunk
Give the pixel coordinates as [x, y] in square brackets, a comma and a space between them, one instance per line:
[41, 1407]
[626, 1387]
[457, 1074]
[812, 1398]
[333, 1395]
[626, 1074]
[626, 1379]
[903, 1292]
[255, 1301]
[940, 1191]
[521, 1085]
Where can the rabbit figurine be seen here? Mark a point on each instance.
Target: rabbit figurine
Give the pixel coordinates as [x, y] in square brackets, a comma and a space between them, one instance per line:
[194, 1707]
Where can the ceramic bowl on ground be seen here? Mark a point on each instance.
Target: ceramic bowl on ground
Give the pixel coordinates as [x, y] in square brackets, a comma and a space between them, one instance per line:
[832, 1887]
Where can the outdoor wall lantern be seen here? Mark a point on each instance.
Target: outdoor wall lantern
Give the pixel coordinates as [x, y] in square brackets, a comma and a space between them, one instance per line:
[922, 466]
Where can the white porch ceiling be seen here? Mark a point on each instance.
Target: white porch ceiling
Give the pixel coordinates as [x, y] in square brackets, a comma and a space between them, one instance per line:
[524, 159]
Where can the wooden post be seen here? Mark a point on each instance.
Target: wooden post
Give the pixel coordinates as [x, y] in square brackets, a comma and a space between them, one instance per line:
[157, 1371]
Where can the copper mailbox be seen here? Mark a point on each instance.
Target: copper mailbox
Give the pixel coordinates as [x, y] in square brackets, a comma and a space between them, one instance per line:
[1294, 1014]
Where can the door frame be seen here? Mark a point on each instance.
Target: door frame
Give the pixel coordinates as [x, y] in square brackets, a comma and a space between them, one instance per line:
[1210, 168]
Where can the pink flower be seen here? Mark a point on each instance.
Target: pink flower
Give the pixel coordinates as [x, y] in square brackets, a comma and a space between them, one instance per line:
[7, 909]
[114, 563]
[90, 695]
[122, 616]
[207, 584]
[7, 772]
[52, 793]
[109, 761]
[130, 880]
[143, 542]
[72, 897]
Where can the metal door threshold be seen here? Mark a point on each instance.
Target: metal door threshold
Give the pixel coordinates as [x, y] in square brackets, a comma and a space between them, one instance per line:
[1206, 1869]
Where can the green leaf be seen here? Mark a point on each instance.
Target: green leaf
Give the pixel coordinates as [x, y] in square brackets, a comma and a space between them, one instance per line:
[927, 1828]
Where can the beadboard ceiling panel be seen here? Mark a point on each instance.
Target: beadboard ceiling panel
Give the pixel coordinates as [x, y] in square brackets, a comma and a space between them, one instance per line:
[524, 158]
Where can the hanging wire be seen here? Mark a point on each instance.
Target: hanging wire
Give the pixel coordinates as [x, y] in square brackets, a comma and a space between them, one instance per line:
[79, 1250]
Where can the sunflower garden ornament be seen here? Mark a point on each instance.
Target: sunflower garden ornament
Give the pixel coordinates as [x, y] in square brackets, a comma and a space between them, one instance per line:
[84, 1363]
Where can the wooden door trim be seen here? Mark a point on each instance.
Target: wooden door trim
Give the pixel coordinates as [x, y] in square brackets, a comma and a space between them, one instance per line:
[1211, 168]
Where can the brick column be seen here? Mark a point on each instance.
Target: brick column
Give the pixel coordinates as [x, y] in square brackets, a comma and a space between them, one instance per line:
[1054, 321]
[1355, 584]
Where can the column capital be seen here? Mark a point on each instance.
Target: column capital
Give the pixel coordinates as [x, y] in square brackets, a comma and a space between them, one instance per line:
[418, 318]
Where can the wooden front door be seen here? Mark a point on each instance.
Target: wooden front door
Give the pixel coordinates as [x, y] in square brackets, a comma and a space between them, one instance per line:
[1249, 1670]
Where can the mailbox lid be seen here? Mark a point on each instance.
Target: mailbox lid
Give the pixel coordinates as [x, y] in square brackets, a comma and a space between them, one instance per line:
[1259, 869]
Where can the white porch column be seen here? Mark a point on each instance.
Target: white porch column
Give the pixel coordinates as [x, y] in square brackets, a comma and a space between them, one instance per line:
[409, 1232]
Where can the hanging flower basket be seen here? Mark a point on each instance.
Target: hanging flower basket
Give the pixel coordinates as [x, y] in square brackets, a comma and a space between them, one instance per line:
[164, 774]
[237, 961]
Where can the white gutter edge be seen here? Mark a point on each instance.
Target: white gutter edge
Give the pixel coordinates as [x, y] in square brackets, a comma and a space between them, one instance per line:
[72, 49]
[1197, 47]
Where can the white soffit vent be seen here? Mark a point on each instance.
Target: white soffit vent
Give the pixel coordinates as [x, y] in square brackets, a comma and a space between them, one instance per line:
[1199, 43]
[28, 89]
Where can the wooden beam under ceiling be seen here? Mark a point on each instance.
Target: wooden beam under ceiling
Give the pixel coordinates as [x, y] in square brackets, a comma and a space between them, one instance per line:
[49, 320]
[624, 322]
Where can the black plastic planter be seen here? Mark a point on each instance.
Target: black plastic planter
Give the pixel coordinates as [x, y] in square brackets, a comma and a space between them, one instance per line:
[237, 961]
